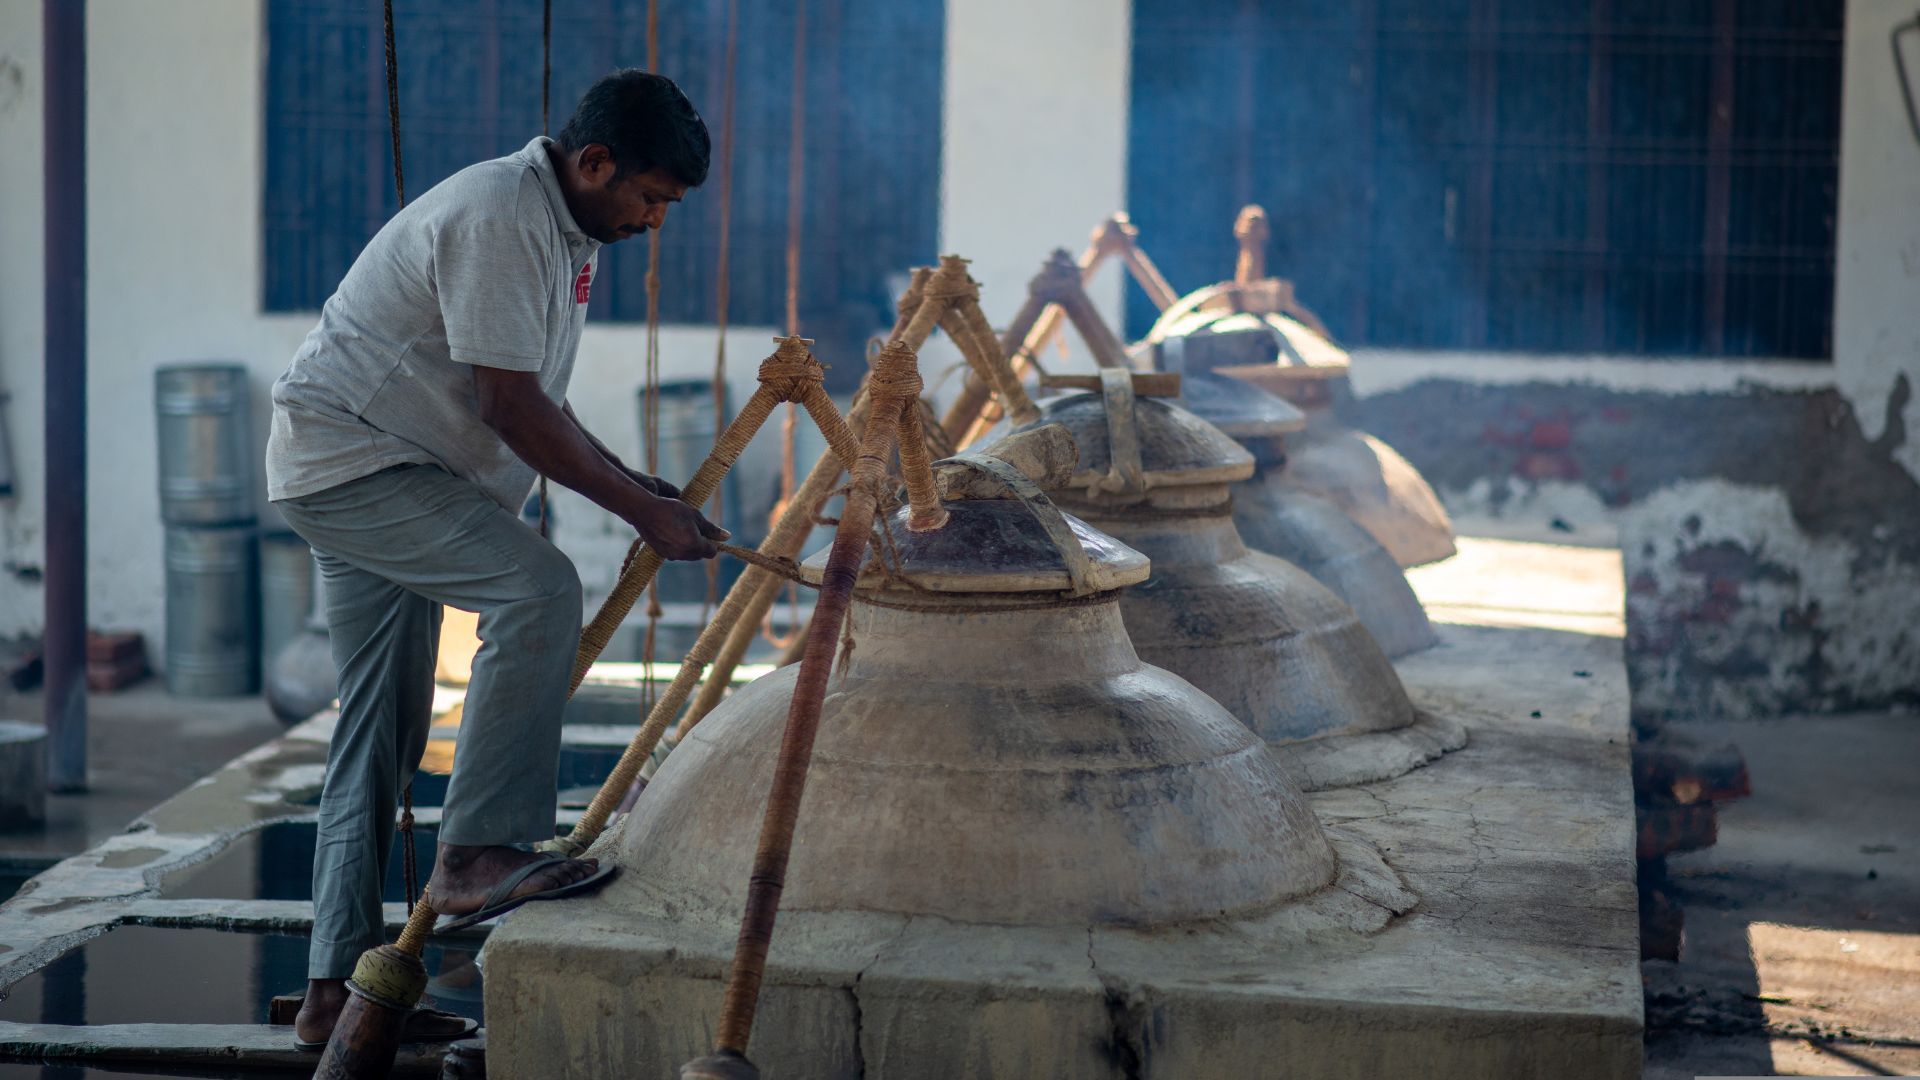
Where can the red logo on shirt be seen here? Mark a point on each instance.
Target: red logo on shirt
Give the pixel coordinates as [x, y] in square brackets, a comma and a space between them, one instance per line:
[583, 285]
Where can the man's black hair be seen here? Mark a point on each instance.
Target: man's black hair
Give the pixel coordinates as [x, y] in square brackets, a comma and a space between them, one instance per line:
[646, 122]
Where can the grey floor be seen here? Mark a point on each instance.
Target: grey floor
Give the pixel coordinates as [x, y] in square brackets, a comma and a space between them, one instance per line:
[1802, 952]
[143, 745]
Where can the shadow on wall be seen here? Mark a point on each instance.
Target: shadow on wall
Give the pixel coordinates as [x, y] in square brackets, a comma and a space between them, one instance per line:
[1772, 551]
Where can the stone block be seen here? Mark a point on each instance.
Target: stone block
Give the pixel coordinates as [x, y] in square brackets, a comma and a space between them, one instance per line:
[23, 775]
[1519, 956]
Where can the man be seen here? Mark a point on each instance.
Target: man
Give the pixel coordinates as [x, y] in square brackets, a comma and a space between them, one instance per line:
[405, 435]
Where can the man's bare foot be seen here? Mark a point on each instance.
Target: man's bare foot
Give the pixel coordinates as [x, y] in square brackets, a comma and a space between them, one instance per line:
[464, 874]
[325, 999]
[320, 1009]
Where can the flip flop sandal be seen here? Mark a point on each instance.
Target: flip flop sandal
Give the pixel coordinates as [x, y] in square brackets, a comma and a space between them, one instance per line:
[498, 903]
[409, 1032]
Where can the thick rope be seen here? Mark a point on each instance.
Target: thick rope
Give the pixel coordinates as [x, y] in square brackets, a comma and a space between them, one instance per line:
[796, 209]
[410, 871]
[393, 110]
[546, 127]
[896, 377]
[650, 407]
[722, 285]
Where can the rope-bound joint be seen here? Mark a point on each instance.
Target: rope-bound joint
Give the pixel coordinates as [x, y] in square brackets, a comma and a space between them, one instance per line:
[1058, 280]
[895, 384]
[1117, 235]
[950, 281]
[386, 975]
[792, 370]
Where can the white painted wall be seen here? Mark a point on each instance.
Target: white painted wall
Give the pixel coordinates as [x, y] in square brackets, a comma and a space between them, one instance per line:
[1035, 145]
[1877, 291]
[174, 249]
[23, 515]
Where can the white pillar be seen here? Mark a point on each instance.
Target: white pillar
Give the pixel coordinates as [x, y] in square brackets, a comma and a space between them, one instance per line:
[1876, 311]
[1035, 150]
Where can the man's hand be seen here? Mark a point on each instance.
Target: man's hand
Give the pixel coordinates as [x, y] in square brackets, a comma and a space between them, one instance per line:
[674, 529]
[547, 437]
[652, 483]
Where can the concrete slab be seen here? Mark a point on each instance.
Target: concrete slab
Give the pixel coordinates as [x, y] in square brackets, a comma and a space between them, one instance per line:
[1520, 956]
[176, 1046]
[1522, 583]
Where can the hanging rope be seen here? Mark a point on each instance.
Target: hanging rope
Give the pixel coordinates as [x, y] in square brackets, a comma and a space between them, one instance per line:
[546, 128]
[722, 288]
[404, 826]
[650, 407]
[796, 207]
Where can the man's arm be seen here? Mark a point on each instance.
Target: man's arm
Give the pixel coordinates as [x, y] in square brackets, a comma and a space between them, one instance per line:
[549, 439]
[654, 484]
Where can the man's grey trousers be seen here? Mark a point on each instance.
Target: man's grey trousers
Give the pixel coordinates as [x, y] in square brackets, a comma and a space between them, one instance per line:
[392, 547]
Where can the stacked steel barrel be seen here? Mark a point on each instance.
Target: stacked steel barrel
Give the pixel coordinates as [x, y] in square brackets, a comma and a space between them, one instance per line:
[207, 501]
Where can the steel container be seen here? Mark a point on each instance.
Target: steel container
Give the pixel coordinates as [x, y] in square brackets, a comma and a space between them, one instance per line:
[213, 610]
[286, 590]
[206, 444]
[687, 434]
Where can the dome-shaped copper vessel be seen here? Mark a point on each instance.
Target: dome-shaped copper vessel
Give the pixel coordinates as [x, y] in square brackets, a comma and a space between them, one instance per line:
[1306, 529]
[991, 750]
[1228, 329]
[1286, 656]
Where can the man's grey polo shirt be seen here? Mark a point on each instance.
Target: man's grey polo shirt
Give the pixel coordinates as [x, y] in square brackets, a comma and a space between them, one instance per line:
[488, 268]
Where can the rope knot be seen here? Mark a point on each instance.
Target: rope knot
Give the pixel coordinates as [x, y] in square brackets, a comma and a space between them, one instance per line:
[1115, 235]
[792, 368]
[1059, 278]
[896, 374]
[1251, 226]
[951, 281]
[910, 300]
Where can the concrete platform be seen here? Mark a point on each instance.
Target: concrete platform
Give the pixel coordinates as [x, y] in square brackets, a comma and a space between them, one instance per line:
[1508, 946]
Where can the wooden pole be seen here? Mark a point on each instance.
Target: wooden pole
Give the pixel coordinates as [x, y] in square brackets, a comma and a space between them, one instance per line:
[895, 387]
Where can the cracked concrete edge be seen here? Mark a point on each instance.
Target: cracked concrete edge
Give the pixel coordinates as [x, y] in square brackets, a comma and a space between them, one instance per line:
[1336, 761]
[88, 894]
[857, 982]
[183, 1045]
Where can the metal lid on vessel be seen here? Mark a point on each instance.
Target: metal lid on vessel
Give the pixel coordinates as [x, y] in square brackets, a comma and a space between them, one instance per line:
[1176, 448]
[1239, 409]
[1224, 329]
[996, 545]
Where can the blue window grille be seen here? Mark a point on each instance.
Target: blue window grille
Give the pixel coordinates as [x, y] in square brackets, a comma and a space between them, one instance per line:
[1628, 176]
[470, 90]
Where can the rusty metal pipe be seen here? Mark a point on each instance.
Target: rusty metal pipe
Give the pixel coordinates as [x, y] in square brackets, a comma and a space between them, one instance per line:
[64, 645]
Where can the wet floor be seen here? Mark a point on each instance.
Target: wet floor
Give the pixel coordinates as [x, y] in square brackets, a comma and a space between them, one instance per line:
[10, 882]
[26, 1070]
[138, 974]
[276, 863]
[165, 975]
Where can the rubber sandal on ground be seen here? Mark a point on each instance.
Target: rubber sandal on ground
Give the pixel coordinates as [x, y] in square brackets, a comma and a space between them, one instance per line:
[498, 903]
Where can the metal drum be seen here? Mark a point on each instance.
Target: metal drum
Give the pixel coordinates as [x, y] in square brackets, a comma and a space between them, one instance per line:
[286, 590]
[687, 435]
[213, 611]
[206, 444]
